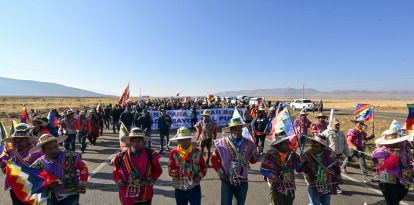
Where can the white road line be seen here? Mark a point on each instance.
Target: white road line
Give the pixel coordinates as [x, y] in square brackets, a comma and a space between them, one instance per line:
[102, 165]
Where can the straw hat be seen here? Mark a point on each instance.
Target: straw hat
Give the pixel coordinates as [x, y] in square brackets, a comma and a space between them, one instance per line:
[321, 115]
[183, 133]
[22, 131]
[303, 112]
[206, 113]
[44, 139]
[280, 136]
[359, 120]
[236, 122]
[136, 132]
[40, 120]
[320, 139]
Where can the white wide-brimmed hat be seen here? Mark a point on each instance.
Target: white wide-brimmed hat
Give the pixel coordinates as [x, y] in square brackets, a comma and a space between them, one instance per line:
[280, 136]
[21, 131]
[384, 141]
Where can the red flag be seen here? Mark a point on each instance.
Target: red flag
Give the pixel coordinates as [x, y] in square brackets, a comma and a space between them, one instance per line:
[124, 97]
[24, 118]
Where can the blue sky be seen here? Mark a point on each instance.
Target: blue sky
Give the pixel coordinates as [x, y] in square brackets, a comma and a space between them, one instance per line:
[197, 47]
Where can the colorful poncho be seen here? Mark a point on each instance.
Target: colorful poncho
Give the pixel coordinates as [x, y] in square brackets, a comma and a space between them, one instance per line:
[284, 169]
[128, 166]
[321, 180]
[182, 169]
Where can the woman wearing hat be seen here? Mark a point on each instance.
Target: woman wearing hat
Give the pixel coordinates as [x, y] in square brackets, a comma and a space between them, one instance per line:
[231, 160]
[187, 167]
[66, 165]
[39, 126]
[135, 170]
[356, 138]
[278, 168]
[393, 166]
[21, 140]
[206, 132]
[320, 125]
[321, 171]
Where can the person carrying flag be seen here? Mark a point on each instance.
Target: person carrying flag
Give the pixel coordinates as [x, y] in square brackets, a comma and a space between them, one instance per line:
[66, 165]
[22, 144]
[356, 138]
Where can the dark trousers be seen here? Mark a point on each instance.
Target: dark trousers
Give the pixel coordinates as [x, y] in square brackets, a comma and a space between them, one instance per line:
[277, 198]
[70, 200]
[14, 198]
[192, 196]
[164, 134]
[82, 139]
[393, 193]
[260, 140]
[228, 191]
[70, 142]
[92, 137]
[106, 122]
[206, 143]
[115, 125]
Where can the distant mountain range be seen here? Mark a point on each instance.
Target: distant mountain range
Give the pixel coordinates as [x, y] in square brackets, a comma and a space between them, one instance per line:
[13, 87]
[312, 93]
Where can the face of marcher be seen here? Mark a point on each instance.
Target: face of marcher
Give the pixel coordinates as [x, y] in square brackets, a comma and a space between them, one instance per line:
[317, 147]
[21, 143]
[283, 146]
[36, 124]
[304, 117]
[337, 126]
[359, 125]
[206, 117]
[184, 143]
[237, 131]
[321, 119]
[51, 149]
[137, 142]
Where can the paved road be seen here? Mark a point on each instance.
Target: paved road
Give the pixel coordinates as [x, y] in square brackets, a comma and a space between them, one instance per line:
[102, 190]
[386, 115]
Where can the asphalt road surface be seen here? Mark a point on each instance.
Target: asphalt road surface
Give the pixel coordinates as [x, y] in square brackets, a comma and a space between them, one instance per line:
[102, 190]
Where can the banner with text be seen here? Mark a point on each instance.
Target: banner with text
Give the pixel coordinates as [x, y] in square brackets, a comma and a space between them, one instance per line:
[182, 118]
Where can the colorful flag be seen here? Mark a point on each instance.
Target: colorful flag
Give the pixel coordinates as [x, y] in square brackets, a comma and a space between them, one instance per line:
[409, 123]
[124, 97]
[9, 145]
[25, 117]
[29, 184]
[365, 111]
[3, 134]
[282, 121]
[53, 123]
[123, 133]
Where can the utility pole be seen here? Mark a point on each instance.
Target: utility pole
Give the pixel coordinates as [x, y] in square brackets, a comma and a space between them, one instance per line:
[140, 96]
[303, 91]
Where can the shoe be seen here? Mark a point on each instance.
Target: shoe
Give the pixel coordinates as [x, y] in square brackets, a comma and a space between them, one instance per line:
[367, 179]
[338, 190]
